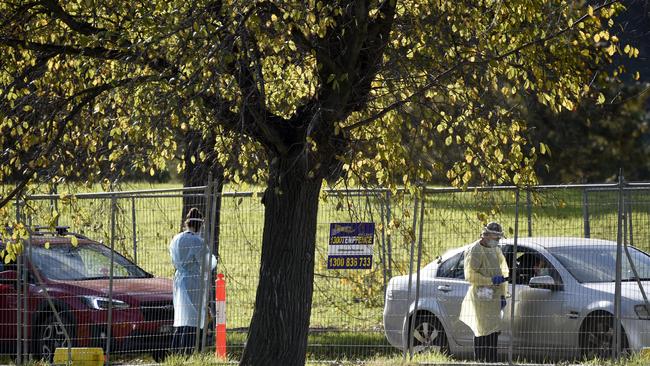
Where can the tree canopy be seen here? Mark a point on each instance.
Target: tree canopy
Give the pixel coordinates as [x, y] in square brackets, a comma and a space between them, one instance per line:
[292, 93]
[143, 72]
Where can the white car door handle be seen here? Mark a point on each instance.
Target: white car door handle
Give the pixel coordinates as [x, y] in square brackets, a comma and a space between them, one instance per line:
[444, 288]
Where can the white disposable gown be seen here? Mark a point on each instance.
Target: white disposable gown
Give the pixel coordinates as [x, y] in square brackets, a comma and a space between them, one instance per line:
[187, 250]
[481, 306]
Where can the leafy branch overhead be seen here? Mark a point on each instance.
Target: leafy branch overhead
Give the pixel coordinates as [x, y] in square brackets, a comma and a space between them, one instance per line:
[383, 86]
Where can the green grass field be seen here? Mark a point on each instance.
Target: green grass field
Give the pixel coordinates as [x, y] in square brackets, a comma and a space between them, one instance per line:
[398, 360]
[346, 317]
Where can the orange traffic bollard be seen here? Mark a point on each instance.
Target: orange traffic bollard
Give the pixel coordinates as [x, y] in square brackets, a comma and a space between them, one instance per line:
[221, 316]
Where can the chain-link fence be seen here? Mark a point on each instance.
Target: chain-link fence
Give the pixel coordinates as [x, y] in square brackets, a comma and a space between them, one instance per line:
[108, 277]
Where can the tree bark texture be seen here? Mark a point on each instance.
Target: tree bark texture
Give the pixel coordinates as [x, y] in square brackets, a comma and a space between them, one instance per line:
[280, 323]
[196, 174]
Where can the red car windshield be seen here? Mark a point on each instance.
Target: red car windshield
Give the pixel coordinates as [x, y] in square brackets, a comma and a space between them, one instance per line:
[83, 262]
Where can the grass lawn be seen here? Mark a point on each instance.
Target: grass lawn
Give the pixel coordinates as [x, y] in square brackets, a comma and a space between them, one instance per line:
[397, 360]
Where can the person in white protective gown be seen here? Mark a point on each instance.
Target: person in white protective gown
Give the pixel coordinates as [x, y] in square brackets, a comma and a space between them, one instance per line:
[485, 270]
[188, 251]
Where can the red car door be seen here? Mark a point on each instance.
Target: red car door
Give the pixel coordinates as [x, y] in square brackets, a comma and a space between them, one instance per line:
[7, 305]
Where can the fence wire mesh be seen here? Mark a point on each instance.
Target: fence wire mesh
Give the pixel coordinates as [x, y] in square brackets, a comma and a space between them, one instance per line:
[121, 299]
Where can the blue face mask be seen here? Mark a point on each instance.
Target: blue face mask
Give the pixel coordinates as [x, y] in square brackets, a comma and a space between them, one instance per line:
[492, 243]
[543, 272]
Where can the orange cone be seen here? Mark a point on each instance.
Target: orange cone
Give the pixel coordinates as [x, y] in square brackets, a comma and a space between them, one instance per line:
[220, 316]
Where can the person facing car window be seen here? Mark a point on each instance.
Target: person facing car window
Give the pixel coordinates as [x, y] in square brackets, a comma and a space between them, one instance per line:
[485, 269]
[189, 255]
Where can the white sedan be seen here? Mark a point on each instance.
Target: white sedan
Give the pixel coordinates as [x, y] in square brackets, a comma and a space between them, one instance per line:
[564, 301]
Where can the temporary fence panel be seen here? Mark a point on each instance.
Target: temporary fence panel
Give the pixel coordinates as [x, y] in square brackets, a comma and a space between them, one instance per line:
[572, 316]
[109, 275]
[356, 313]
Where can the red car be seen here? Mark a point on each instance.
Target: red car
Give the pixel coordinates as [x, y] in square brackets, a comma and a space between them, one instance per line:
[76, 278]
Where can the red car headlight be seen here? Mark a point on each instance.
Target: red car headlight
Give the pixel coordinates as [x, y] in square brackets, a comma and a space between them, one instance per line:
[101, 303]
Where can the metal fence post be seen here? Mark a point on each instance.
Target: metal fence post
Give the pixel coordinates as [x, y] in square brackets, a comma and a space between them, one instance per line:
[513, 281]
[19, 280]
[383, 242]
[617, 286]
[585, 212]
[26, 348]
[205, 267]
[409, 334]
[211, 202]
[25, 311]
[389, 246]
[417, 277]
[19, 310]
[109, 320]
[529, 212]
[54, 202]
[628, 206]
[134, 232]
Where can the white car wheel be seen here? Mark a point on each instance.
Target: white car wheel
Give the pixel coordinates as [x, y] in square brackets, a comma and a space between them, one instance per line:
[429, 335]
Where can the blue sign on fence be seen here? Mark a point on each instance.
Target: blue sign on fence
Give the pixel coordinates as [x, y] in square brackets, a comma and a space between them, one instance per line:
[350, 245]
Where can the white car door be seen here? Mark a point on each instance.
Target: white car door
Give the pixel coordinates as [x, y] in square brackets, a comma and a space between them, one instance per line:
[539, 312]
[450, 289]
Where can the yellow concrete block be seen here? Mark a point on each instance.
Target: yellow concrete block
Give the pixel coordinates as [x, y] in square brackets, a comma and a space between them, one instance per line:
[645, 353]
[80, 356]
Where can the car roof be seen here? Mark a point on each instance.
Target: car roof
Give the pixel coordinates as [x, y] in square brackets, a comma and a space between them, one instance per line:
[61, 236]
[559, 241]
[55, 240]
[541, 241]
[58, 240]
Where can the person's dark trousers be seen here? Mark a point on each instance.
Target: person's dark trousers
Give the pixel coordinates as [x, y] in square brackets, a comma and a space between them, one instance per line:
[184, 340]
[485, 347]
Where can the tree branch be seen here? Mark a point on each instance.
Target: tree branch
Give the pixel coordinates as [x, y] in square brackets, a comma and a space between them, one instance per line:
[81, 27]
[157, 64]
[549, 37]
[400, 103]
[21, 11]
[421, 92]
[89, 95]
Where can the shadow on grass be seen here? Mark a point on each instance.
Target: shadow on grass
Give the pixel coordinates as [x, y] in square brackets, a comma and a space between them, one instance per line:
[340, 346]
[334, 347]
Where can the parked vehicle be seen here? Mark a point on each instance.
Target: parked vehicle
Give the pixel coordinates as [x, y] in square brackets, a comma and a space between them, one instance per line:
[76, 278]
[565, 312]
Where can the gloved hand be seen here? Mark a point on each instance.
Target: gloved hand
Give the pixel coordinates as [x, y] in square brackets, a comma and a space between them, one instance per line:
[497, 280]
[503, 302]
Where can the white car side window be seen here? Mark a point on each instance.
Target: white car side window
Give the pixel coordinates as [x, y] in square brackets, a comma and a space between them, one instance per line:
[452, 267]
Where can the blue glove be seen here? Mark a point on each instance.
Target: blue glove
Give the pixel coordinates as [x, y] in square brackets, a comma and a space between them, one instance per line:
[497, 280]
[503, 302]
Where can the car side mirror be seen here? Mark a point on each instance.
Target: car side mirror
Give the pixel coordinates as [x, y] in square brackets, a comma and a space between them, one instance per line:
[544, 282]
[9, 277]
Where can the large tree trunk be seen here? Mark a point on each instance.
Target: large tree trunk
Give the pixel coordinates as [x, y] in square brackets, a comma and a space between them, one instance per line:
[280, 323]
[197, 174]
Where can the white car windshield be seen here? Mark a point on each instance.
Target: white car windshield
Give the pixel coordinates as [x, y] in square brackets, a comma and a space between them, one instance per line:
[598, 263]
[83, 262]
